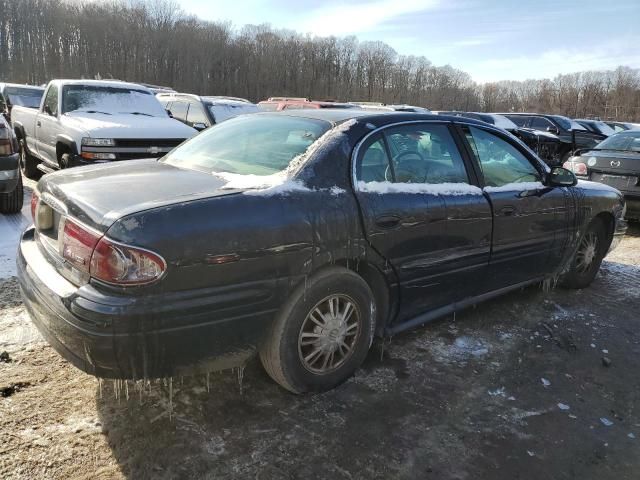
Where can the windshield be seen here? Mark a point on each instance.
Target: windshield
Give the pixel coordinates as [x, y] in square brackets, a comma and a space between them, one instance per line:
[249, 145]
[621, 141]
[225, 111]
[567, 123]
[111, 100]
[25, 97]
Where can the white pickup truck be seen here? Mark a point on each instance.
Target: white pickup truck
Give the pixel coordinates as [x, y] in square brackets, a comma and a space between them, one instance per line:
[82, 122]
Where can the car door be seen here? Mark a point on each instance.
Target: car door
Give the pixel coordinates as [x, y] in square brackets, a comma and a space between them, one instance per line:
[47, 126]
[530, 222]
[404, 176]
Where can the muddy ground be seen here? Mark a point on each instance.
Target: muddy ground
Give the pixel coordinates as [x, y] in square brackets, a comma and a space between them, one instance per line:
[533, 385]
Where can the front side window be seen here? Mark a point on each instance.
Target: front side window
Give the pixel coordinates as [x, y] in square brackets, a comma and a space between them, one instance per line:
[249, 145]
[51, 101]
[567, 123]
[179, 110]
[110, 100]
[419, 154]
[519, 120]
[501, 163]
[540, 123]
[223, 111]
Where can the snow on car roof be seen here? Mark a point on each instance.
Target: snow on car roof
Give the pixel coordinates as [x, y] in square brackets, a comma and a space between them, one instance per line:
[102, 83]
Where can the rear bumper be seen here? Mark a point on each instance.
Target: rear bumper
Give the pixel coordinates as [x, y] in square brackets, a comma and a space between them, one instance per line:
[633, 206]
[107, 336]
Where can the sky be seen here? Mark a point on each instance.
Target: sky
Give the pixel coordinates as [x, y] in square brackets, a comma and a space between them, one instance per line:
[491, 40]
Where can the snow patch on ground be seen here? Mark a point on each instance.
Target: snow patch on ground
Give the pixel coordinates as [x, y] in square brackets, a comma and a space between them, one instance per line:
[433, 189]
[16, 330]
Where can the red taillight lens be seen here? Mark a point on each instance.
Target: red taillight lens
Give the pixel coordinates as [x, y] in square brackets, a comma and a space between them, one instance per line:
[125, 265]
[6, 145]
[77, 245]
[34, 205]
[576, 167]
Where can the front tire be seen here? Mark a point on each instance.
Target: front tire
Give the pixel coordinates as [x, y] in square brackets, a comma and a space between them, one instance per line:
[11, 202]
[322, 334]
[588, 257]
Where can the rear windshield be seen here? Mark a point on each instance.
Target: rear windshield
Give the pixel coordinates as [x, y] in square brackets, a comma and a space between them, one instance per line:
[567, 123]
[603, 128]
[225, 111]
[621, 141]
[110, 100]
[249, 145]
[25, 97]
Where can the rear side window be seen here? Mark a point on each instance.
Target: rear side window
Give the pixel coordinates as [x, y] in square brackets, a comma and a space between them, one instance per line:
[501, 162]
[196, 115]
[179, 110]
[421, 153]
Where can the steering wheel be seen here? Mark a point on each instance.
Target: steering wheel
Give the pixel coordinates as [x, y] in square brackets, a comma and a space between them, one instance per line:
[407, 173]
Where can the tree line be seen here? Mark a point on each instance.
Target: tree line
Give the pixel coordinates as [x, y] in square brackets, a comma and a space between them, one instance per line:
[154, 41]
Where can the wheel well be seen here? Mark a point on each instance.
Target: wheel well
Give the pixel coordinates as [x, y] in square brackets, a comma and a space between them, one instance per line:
[61, 149]
[378, 285]
[609, 223]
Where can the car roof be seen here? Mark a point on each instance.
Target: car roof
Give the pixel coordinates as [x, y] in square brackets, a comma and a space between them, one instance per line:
[102, 83]
[339, 115]
[21, 85]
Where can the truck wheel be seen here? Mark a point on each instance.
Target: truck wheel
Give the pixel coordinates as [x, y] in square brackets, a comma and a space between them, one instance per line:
[588, 257]
[65, 161]
[322, 334]
[11, 202]
[28, 163]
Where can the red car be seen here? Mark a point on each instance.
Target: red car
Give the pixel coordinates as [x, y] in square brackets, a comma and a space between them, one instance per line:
[298, 103]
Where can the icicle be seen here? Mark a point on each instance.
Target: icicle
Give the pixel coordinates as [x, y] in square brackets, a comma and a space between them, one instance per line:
[115, 389]
[208, 382]
[382, 350]
[170, 397]
[454, 315]
[126, 389]
[240, 377]
[181, 380]
[100, 387]
[305, 288]
[140, 388]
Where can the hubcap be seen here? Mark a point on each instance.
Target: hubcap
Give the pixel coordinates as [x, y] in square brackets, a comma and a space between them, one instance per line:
[329, 334]
[587, 252]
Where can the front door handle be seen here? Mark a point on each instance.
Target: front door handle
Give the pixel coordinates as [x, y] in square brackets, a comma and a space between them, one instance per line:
[508, 211]
[38, 124]
[387, 221]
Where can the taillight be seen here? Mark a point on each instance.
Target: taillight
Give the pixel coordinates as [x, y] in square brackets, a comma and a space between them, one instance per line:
[6, 144]
[125, 265]
[77, 245]
[576, 167]
[34, 204]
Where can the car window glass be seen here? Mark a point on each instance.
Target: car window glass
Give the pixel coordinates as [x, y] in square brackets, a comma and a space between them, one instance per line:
[373, 162]
[501, 162]
[196, 115]
[424, 153]
[51, 100]
[179, 110]
[540, 123]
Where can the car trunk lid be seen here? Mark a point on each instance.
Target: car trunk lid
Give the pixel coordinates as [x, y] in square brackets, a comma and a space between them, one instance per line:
[619, 169]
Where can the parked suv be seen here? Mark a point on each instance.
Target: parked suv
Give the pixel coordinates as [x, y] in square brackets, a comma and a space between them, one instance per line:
[83, 122]
[202, 112]
[12, 94]
[562, 127]
[11, 196]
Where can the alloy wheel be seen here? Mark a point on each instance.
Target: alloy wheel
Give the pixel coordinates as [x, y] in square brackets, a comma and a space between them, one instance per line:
[329, 334]
[587, 252]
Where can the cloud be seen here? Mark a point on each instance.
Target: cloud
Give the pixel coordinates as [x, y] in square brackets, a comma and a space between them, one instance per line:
[340, 20]
[548, 64]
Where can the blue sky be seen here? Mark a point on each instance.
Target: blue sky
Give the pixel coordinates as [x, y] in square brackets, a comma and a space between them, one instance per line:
[491, 40]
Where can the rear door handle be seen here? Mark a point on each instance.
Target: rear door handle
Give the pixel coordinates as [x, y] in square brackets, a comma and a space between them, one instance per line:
[387, 221]
[507, 211]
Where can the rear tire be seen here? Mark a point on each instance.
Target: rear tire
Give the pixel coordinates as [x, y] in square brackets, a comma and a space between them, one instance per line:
[588, 257]
[11, 202]
[28, 163]
[322, 334]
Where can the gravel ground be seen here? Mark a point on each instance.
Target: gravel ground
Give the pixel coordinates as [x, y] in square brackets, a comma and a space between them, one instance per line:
[532, 385]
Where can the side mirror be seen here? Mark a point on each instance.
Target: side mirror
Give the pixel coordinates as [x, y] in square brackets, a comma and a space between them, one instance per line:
[199, 126]
[553, 130]
[47, 110]
[169, 113]
[561, 177]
